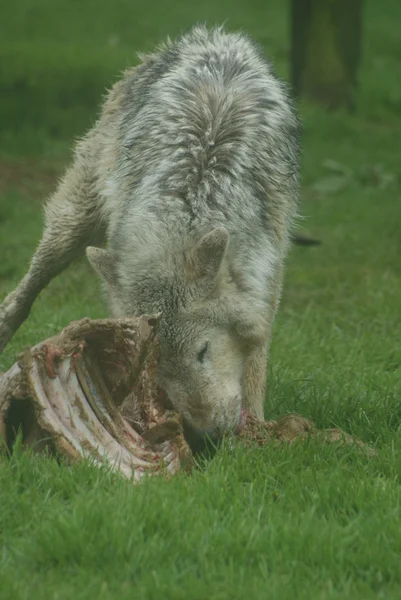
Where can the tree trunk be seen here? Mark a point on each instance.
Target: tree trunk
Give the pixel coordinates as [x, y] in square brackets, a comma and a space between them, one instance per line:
[326, 48]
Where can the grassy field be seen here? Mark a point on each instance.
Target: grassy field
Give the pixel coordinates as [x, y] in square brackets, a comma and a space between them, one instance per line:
[306, 522]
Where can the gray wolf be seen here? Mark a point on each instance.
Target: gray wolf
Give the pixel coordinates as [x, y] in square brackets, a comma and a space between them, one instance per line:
[183, 196]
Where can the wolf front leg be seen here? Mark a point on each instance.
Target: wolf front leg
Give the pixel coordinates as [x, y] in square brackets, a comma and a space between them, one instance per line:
[254, 382]
[71, 223]
[255, 369]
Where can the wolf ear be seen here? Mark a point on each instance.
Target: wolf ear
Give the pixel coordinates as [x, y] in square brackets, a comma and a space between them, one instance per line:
[208, 254]
[103, 263]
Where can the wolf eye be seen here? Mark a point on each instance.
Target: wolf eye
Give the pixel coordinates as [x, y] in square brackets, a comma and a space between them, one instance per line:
[202, 352]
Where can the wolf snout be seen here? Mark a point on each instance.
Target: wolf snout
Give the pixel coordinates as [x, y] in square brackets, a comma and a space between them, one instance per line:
[215, 421]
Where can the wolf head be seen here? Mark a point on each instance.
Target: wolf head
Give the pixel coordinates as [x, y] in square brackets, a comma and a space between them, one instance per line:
[206, 331]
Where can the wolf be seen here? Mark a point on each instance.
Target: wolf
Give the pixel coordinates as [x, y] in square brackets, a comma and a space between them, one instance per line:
[183, 196]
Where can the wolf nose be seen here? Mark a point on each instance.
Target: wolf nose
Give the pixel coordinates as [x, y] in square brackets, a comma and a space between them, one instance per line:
[218, 430]
[205, 427]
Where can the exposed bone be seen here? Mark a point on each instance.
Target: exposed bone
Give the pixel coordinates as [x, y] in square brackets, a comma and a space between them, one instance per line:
[86, 386]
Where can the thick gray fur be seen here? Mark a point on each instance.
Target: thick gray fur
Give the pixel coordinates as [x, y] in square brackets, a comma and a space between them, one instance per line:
[190, 178]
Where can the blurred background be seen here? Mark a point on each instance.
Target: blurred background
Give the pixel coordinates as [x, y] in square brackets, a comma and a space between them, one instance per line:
[340, 309]
[57, 57]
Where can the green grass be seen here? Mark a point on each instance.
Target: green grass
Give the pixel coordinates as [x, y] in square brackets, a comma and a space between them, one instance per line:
[308, 521]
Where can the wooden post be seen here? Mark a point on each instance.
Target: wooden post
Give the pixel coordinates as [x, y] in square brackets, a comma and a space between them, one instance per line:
[325, 50]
